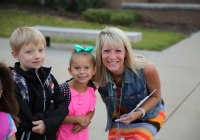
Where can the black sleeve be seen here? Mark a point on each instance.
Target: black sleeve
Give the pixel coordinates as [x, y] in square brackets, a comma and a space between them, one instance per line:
[54, 119]
[24, 114]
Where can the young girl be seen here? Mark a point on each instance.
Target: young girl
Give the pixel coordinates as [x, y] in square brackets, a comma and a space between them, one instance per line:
[83, 98]
[8, 105]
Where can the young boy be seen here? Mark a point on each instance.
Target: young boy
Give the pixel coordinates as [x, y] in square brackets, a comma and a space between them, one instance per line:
[42, 107]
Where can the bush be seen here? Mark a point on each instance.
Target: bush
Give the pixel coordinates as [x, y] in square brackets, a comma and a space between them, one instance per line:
[89, 15]
[106, 16]
[58, 4]
[97, 15]
[76, 5]
[122, 19]
[85, 4]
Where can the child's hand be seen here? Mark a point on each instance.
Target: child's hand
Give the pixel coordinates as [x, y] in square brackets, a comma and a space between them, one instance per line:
[77, 128]
[84, 121]
[39, 127]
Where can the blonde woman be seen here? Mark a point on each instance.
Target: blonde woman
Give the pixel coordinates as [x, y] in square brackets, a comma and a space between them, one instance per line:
[124, 79]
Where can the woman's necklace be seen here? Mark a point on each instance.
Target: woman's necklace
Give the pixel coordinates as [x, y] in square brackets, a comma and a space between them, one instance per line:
[114, 83]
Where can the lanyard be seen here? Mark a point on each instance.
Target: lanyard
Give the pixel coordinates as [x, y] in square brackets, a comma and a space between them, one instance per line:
[120, 100]
[117, 134]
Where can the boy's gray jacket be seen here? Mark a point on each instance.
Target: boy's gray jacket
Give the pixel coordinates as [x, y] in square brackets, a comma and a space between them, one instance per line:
[38, 106]
[133, 90]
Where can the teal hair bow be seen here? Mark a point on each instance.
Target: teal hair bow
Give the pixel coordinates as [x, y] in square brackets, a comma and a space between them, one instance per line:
[79, 48]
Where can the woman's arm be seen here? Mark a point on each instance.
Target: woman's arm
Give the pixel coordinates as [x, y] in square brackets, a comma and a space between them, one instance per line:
[152, 82]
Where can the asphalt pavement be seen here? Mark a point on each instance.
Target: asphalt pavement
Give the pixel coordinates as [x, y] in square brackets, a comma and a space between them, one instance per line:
[179, 70]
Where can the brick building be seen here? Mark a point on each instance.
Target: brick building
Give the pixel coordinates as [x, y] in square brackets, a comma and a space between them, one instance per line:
[185, 12]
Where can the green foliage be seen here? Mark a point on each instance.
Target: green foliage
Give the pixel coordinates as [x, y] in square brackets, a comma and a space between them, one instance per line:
[98, 16]
[84, 4]
[151, 39]
[75, 5]
[157, 39]
[57, 4]
[19, 2]
[121, 19]
[107, 16]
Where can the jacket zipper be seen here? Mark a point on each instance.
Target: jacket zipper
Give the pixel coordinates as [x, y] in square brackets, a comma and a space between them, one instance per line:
[44, 93]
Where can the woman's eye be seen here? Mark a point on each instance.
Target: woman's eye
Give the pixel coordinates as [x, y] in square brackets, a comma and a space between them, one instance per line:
[28, 52]
[118, 50]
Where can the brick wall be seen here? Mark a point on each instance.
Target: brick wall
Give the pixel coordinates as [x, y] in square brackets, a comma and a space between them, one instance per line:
[174, 1]
[187, 17]
[116, 4]
[142, 1]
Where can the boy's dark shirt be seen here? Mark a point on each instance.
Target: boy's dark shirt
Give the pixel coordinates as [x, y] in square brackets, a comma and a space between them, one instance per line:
[33, 110]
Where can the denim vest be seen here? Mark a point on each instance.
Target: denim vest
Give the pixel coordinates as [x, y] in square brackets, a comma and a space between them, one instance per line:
[133, 90]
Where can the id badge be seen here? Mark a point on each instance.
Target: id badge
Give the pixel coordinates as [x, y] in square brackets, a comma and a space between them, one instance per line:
[118, 136]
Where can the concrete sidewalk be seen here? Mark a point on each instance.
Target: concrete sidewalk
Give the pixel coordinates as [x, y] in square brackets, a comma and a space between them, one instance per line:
[179, 72]
[178, 67]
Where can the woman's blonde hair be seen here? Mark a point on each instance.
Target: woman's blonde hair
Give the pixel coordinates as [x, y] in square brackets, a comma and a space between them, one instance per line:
[114, 37]
[25, 35]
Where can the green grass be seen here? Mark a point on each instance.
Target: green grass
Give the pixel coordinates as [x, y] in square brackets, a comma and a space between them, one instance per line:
[152, 39]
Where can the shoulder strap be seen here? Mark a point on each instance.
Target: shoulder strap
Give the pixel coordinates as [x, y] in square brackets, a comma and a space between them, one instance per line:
[21, 83]
[64, 88]
[91, 84]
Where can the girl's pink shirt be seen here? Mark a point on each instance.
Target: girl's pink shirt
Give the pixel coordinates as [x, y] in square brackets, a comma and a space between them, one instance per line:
[81, 104]
[7, 125]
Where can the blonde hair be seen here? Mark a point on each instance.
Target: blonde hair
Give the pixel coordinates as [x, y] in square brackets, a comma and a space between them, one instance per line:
[25, 35]
[114, 37]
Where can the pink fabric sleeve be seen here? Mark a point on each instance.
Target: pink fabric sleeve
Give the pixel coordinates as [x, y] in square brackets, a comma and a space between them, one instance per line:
[8, 127]
[93, 99]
